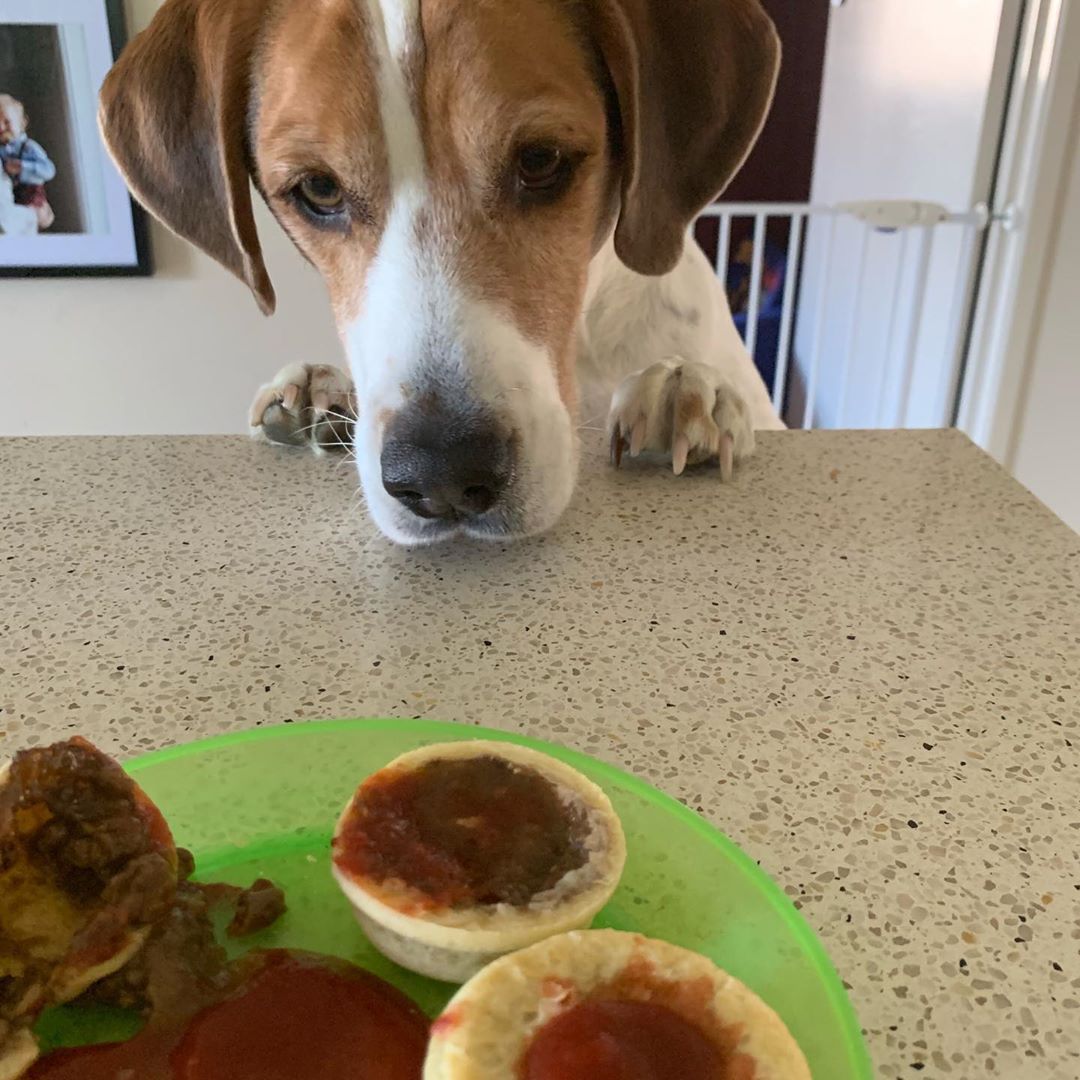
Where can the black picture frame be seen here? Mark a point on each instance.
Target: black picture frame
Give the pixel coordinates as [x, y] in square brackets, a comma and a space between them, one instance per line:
[138, 225]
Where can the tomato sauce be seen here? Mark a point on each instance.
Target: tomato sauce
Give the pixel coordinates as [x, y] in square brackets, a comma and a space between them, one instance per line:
[294, 1016]
[625, 1040]
[146, 1057]
[463, 831]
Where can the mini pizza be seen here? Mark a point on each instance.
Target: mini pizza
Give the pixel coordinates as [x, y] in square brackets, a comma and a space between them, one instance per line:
[457, 853]
[87, 867]
[603, 1004]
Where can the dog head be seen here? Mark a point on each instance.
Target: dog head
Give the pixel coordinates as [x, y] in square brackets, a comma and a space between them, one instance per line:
[451, 167]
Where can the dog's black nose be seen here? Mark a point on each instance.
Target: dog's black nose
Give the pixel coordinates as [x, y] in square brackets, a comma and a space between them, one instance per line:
[445, 470]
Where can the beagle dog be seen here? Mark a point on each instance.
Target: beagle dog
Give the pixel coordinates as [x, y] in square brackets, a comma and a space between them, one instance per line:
[498, 195]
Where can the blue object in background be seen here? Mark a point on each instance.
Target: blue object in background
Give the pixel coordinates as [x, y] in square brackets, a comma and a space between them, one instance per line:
[774, 273]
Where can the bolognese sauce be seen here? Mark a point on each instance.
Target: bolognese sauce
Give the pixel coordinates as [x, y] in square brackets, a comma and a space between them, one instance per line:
[463, 831]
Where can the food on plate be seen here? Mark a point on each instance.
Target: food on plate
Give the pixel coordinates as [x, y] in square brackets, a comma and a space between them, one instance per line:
[182, 962]
[476, 860]
[87, 867]
[281, 1015]
[303, 1017]
[601, 1003]
[96, 901]
[456, 853]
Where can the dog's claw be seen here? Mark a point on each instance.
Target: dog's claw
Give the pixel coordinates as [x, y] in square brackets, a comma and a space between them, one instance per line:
[685, 408]
[310, 405]
[290, 395]
[727, 457]
[680, 451]
[616, 446]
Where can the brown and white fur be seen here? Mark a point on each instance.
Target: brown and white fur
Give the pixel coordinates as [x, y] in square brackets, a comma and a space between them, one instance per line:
[477, 309]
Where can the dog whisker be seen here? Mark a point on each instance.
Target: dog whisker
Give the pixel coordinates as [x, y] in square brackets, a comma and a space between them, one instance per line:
[593, 423]
[332, 439]
[332, 414]
[336, 449]
[306, 428]
[319, 423]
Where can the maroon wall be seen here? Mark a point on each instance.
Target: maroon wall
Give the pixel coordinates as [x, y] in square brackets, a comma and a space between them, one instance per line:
[781, 165]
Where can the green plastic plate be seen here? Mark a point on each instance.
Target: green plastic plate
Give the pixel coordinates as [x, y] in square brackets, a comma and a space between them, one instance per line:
[263, 804]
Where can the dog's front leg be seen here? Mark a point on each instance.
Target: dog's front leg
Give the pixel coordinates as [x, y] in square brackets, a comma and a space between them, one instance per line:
[307, 405]
[684, 409]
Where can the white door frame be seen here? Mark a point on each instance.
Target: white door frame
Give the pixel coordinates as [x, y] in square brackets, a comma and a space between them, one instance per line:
[1045, 85]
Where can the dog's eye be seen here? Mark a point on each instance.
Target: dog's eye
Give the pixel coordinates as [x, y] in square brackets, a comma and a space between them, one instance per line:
[540, 167]
[321, 194]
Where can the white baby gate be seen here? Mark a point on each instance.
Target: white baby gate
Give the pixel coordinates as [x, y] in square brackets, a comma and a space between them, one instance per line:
[874, 308]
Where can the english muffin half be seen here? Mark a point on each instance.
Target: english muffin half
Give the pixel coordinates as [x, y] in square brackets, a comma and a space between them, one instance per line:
[457, 853]
[601, 1003]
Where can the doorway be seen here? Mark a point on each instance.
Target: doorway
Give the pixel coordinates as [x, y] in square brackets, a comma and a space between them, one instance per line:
[851, 241]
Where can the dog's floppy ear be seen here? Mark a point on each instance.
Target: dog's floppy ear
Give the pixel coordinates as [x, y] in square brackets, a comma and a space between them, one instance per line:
[174, 115]
[693, 80]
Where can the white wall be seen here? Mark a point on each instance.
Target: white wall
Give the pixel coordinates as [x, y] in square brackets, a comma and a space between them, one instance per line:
[182, 352]
[1046, 450]
[903, 116]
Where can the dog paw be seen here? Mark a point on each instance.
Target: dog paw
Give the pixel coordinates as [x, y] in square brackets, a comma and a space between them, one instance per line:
[685, 410]
[309, 405]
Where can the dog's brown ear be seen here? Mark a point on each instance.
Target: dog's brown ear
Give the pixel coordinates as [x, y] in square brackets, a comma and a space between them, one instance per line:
[174, 115]
[694, 80]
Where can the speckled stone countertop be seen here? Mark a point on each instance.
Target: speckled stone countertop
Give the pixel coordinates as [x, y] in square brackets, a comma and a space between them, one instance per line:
[861, 660]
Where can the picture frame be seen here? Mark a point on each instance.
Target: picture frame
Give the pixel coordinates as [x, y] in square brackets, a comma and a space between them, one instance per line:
[75, 218]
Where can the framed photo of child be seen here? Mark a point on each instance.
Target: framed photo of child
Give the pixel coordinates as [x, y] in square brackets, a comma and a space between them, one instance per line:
[64, 209]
